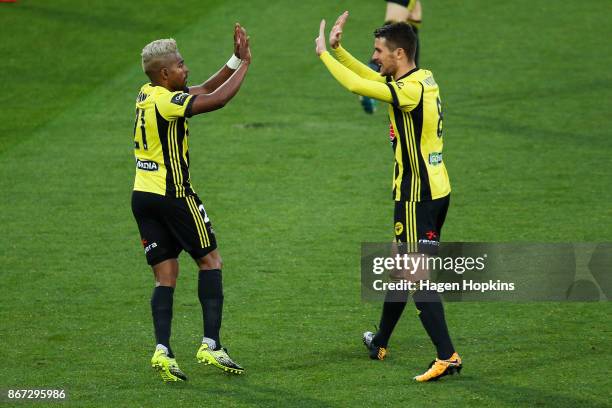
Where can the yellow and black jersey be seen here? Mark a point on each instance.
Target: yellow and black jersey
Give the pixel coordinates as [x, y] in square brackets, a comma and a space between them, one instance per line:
[161, 141]
[415, 112]
[416, 118]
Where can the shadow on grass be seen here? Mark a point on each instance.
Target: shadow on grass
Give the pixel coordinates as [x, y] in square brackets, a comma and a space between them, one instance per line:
[238, 391]
[514, 395]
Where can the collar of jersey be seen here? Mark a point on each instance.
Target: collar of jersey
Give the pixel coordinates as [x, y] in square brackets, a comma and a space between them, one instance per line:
[413, 70]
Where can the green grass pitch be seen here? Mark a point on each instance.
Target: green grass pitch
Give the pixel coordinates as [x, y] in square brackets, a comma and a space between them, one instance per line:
[295, 177]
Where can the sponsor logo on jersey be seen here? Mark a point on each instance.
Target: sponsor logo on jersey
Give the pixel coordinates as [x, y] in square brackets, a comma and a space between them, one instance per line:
[147, 165]
[435, 158]
[399, 84]
[391, 132]
[431, 234]
[179, 99]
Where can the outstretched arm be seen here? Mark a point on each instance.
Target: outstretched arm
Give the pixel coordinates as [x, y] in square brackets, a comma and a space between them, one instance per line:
[355, 83]
[344, 57]
[227, 90]
[215, 81]
[348, 78]
[358, 67]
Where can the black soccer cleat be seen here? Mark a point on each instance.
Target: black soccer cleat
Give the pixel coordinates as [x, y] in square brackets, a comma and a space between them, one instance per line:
[376, 352]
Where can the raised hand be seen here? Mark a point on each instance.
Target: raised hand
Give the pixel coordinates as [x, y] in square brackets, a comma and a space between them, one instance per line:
[335, 35]
[247, 55]
[320, 40]
[244, 50]
[237, 31]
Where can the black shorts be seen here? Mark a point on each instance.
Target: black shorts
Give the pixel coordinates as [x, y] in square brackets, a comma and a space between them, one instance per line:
[169, 225]
[400, 2]
[420, 224]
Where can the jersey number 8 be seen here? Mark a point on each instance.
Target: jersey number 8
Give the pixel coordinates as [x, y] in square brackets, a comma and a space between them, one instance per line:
[440, 117]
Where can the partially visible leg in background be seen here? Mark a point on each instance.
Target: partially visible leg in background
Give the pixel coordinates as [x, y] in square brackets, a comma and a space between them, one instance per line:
[407, 11]
[415, 19]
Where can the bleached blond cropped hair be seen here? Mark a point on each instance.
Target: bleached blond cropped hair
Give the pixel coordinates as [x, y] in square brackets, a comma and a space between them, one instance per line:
[157, 51]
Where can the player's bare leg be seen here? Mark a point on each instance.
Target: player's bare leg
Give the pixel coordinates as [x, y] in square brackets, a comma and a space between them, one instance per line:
[166, 273]
[396, 13]
[211, 261]
[210, 293]
[415, 18]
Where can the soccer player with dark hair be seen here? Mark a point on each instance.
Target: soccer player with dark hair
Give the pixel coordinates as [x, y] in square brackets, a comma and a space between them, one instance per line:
[398, 11]
[406, 11]
[170, 216]
[421, 188]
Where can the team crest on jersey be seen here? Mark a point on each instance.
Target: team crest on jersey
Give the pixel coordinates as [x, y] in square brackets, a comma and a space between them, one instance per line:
[399, 228]
[147, 165]
[179, 99]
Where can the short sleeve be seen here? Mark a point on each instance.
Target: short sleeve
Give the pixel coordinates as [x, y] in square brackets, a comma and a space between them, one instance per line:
[406, 95]
[175, 105]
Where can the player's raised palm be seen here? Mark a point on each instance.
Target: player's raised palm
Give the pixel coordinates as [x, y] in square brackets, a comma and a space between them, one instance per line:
[335, 35]
[237, 32]
[245, 51]
[242, 45]
[320, 47]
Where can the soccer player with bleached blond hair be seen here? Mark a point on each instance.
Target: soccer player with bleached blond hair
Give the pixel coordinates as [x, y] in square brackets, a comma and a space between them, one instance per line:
[170, 215]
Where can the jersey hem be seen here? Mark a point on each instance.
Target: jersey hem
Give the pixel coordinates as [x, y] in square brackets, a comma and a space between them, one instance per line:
[192, 194]
[420, 201]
